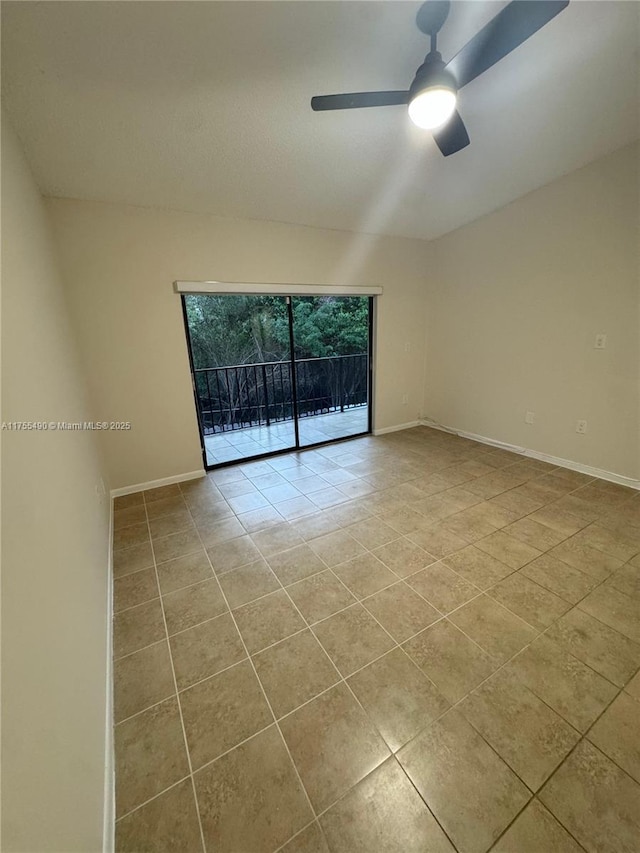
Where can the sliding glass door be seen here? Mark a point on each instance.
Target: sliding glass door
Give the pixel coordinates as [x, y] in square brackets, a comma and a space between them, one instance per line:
[276, 373]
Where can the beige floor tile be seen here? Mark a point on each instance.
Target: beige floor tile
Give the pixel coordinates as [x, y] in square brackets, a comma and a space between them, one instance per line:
[251, 798]
[176, 574]
[536, 831]
[165, 525]
[611, 654]
[438, 541]
[372, 533]
[558, 519]
[313, 526]
[621, 546]
[572, 689]
[450, 659]
[186, 607]
[169, 822]
[527, 599]
[633, 687]
[444, 588]
[222, 711]
[248, 583]
[530, 737]
[617, 734]
[496, 629]
[403, 520]
[478, 568]
[133, 589]
[127, 537]
[400, 700]
[137, 627]
[596, 801]
[131, 515]
[626, 579]
[491, 513]
[336, 547]
[161, 492]
[534, 533]
[320, 596]
[404, 557]
[401, 611]
[176, 545]
[364, 575]
[167, 506]
[615, 609]
[132, 559]
[333, 745]
[216, 532]
[280, 537]
[296, 508]
[126, 501]
[150, 755]
[352, 638]
[294, 671]
[294, 565]
[383, 812]
[231, 555]
[206, 649]
[471, 792]
[588, 560]
[310, 840]
[560, 578]
[508, 550]
[268, 620]
[517, 503]
[142, 679]
[249, 502]
[260, 519]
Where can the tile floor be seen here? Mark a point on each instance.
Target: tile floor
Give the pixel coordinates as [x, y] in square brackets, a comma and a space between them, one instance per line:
[405, 643]
[254, 441]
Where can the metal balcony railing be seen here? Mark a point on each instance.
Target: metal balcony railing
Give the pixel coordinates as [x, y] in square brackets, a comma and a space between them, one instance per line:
[246, 395]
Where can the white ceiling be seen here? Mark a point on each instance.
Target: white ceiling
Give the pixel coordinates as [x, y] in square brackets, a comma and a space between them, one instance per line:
[204, 106]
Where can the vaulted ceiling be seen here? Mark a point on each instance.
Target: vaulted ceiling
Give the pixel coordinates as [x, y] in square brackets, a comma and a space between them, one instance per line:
[204, 106]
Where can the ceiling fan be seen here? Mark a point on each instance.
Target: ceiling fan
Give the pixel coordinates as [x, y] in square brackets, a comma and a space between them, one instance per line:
[432, 96]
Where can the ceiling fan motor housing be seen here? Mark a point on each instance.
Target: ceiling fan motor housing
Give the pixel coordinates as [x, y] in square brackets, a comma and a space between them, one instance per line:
[431, 74]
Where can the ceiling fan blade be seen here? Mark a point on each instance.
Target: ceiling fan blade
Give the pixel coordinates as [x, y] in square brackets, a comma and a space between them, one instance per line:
[453, 136]
[508, 30]
[355, 100]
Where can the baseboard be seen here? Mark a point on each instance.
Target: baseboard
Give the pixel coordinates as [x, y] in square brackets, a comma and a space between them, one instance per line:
[542, 457]
[396, 428]
[154, 484]
[109, 814]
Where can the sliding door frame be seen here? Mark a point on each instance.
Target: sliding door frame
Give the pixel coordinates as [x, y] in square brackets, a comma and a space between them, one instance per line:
[294, 381]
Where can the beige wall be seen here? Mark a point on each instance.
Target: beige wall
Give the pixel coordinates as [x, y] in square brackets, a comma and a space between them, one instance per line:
[514, 304]
[54, 552]
[120, 262]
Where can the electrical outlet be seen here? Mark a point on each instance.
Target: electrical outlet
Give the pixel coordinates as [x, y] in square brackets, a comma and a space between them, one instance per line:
[601, 342]
[407, 346]
[581, 427]
[529, 417]
[405, 399]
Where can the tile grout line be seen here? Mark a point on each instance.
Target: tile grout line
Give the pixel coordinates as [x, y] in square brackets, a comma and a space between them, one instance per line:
[266, 698]
[175, 683]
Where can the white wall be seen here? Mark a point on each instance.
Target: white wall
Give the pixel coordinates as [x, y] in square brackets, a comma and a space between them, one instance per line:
[54, 551]
[119, 263]
[515, 301]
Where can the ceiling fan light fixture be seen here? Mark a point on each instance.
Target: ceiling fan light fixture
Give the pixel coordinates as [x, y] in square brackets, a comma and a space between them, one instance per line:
[432, 107]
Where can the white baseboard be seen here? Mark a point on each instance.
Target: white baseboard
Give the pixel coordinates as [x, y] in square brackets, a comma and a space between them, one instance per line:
[154, 484]
[542, 457]
[109, 814]
[396, 428]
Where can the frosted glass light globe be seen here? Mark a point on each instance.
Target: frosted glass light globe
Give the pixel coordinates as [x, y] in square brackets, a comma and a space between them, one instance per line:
[432, 107]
